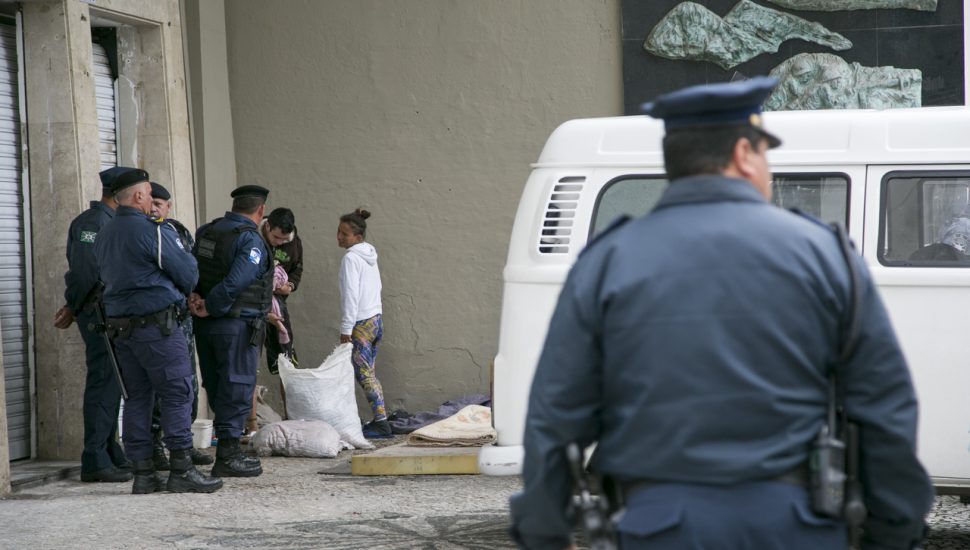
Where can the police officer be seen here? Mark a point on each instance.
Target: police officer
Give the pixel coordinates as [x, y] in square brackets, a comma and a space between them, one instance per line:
[102, 458]
[147, 274]
[231, 302]
[693, 345]
[161, 206]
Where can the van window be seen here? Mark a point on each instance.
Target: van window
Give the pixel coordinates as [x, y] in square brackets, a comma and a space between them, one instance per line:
[925, 219]
[825, 196]
[633, 196]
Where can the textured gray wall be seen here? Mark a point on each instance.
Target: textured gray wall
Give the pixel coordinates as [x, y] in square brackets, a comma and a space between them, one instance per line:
[427, 113]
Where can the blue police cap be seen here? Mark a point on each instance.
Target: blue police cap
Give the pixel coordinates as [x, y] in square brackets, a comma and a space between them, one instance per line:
[159, 192]
[117, 178]
[722, 104]
[250, 191]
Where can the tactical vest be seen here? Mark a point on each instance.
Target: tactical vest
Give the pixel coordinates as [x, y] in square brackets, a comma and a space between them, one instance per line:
[215, 261]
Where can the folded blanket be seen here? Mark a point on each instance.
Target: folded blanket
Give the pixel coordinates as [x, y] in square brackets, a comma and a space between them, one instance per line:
[469, 427]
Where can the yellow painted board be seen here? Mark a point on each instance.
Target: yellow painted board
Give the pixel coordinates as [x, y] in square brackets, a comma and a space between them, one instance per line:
[402, 460]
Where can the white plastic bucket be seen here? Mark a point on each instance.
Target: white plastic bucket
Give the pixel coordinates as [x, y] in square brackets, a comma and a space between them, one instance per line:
[202, 433]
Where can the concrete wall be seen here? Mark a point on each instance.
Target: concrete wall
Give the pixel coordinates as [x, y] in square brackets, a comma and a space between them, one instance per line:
[427, 113]
[63, 162]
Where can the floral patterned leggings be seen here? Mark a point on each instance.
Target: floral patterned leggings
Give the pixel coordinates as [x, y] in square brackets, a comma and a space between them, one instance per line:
[365, 337]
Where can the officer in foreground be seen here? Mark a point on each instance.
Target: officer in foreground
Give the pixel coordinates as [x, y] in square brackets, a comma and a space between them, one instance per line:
[161, 207]
[693, 345]
[147, 274]
[231, 302]
[102, 458]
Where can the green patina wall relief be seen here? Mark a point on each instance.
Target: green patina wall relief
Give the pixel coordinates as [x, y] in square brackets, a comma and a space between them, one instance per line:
[691, 31]
[846, 5]
[826, 81]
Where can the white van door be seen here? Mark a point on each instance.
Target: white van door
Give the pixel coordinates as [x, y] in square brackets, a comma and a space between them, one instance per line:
[916, 245]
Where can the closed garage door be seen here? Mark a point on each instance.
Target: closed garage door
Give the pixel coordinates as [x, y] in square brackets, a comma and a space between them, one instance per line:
[13, 254]
[104, 89]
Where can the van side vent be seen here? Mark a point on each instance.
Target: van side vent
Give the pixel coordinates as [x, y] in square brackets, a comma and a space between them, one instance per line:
[557, 224]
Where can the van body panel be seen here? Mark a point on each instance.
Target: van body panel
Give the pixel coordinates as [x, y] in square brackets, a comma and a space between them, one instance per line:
[855, 149]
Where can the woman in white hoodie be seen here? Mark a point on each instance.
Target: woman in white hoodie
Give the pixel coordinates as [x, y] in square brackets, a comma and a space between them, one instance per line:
[360, 308]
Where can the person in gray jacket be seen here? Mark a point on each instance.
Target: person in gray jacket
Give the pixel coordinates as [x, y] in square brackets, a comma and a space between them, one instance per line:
[693, 345]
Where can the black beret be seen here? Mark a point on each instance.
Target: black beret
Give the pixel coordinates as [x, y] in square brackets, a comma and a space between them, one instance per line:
[250, 191]
[725, 103]
[108, 176]
[159, 192]
[123, 177]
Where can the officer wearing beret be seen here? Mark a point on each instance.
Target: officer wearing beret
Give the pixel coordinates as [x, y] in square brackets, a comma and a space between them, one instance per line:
[102, 458]
[147, 274]
[231, 302]
[693, 344]
[161, 206]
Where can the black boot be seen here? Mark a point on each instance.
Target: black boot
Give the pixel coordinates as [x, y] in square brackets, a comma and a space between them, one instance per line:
[147, 480]
[158, 452]
[184, 478]
[231, 462]
[199, 458]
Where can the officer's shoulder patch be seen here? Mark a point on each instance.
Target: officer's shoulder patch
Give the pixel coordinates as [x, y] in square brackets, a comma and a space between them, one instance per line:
[88, 236]
[255, 255]
[614, 225]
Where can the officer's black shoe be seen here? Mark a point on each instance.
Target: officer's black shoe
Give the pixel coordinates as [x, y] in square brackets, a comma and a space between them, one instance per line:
[111, 474]
[184, 478]
[159, 459]
[147, 480]
[199, 458]
[158, 452]
[231, 462]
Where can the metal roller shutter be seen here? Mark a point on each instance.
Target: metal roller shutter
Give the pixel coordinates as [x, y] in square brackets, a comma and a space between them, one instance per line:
[104, 90]
[13, 254]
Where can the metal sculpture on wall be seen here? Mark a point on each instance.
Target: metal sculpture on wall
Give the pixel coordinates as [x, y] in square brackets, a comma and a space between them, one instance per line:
[846, 5]
[826, 81]
[691, 31]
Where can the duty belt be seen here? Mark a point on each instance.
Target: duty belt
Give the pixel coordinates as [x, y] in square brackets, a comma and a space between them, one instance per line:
[797, 476]
[166, 319]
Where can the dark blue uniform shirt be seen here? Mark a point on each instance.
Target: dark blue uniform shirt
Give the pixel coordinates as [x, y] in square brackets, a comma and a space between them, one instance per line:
[251, 259]
[82, 270]
[693, 345]
[143, 265]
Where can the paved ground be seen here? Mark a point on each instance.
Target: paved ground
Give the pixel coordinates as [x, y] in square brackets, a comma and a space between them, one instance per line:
[293, 505]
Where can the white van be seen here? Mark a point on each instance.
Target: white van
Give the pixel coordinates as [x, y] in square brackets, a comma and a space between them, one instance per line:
[898, 179]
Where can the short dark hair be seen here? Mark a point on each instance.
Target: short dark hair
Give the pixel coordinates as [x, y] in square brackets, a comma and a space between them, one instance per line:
[247, 204]
[282, 219]
[695, 151]
[357, 220]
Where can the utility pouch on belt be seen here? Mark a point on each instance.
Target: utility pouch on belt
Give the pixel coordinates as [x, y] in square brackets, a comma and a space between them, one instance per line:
[257, 328]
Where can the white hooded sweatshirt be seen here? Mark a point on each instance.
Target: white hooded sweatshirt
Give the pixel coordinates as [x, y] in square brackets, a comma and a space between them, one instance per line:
[360, 286]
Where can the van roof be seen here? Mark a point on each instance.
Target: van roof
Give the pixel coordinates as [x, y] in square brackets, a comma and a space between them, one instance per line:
[830, 137]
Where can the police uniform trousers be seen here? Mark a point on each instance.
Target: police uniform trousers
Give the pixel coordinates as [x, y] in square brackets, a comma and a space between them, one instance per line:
[228, 363]
[102, 398]
[765, 515]
[155, 364]
[157, 411]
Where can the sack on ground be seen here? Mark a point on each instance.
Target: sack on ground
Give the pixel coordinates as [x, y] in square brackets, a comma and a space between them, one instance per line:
[325, 393]
[307, 438]
[264, 413]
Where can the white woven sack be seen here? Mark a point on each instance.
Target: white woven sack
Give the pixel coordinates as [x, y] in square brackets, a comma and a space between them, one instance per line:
[309, 438]
[325, 393]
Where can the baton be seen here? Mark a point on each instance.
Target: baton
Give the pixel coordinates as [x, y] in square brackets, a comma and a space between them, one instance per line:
[102, 327]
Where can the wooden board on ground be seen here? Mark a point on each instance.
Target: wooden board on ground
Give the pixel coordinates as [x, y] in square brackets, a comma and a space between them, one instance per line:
[402, 460]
